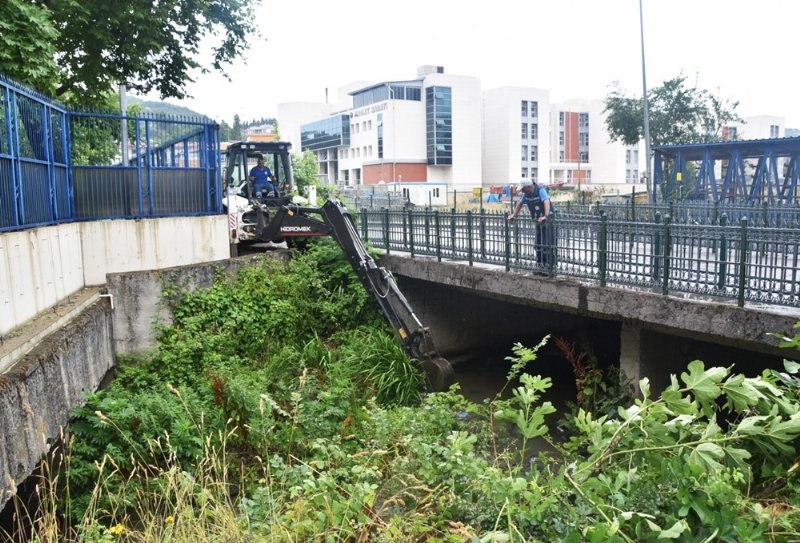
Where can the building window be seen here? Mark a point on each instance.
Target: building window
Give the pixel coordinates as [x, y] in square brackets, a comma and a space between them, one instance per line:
[583, 120]
[524, 108]
[628, 156]
[560, 118]
[380, 135]
[524, 173]
[534, 109]
[534, 174]
[524, 152]
[439, 125]
[534, 153]
[524, 130]
[561, 138]
[583, 139]
[534, 131]
[774, 131]
[436, 192]
[583, 156]
[561, 156]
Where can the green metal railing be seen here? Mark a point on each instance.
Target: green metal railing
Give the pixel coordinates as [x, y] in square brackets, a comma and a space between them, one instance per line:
[734, 260]
[692, 212]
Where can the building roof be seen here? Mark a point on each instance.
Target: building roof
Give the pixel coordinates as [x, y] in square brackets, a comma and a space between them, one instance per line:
[722, 149]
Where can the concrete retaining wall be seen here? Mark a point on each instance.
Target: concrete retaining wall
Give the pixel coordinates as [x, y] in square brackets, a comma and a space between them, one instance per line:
[138, 302]
[40, 389]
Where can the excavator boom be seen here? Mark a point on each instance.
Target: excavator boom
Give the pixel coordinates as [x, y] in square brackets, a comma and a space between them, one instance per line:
[335, 221]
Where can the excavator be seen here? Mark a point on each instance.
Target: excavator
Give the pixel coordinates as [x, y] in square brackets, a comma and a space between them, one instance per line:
[277, 218]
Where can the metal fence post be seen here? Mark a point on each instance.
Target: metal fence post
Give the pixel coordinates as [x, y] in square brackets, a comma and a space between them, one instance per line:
[482, 233]
[633, 204]
[411, 231]
[364, 226]
[437, 226]
[453, 233]
[667, 254]
[405, 232]
[386, 229]
[507, 235]
[723, 252]
[742, 263]
[657, 248]
[469, 236]
[427, 229]
[602, 249]
[551, 245]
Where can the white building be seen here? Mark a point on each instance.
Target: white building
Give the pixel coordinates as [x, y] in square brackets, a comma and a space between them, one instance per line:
[516, 141]
[426, 129]
[582, 151]
[756, 128]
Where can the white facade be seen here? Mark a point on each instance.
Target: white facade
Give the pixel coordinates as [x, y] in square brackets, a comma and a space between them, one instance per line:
[507, 112]
[392, 135]
[757, 128]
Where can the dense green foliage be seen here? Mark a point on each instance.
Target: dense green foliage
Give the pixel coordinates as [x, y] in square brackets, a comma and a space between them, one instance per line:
[678, 114]
[305, 170]
[27, 50]
[277, 408]
[80, 50]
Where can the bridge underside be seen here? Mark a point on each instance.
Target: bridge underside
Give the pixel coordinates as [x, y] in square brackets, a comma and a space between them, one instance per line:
[738, 171]
[648, 334]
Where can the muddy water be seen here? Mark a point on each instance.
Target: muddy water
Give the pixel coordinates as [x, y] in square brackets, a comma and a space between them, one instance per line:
[483, 376]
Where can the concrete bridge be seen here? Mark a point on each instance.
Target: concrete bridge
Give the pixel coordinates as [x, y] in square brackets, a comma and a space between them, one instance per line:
[76, 295]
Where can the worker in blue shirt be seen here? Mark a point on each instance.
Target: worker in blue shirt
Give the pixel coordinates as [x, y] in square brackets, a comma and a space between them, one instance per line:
[262, 177]
[535, 197]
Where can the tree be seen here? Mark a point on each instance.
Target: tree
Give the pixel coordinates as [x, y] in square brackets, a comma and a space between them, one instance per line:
[236, 130]
[305, 170]
[678, 114]
[27, 44]
[98, 44]
[225, 132]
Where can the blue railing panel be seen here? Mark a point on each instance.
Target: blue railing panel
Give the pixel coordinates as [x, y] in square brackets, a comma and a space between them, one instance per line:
[58, 165]
[8, 217]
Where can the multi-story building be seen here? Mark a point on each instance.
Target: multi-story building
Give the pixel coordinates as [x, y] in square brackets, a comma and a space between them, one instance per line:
[440, 128]
[426, 129]
[581, 151]
[755, 128]
[516, 141]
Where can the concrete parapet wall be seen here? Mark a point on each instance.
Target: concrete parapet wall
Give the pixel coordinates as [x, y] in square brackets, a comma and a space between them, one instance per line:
[138, 304]
[40, 389]
[151, 244]
[41, 266]
[38, 268]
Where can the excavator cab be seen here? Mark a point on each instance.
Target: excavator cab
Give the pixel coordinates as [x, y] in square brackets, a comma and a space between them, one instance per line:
[242, 156]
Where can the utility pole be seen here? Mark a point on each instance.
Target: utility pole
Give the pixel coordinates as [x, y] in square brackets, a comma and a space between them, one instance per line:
[649, 179]
[123, 110]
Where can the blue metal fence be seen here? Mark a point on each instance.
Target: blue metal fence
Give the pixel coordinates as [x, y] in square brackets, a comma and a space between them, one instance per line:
[59, 165]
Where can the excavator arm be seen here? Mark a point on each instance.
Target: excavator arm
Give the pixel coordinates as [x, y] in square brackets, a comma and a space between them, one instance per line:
[336, 222]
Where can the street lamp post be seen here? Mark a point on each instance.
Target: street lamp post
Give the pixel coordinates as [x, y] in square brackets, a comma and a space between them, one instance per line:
[649, 178]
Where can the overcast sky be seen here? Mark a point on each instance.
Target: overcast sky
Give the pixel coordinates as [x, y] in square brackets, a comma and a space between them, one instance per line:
[740, 49]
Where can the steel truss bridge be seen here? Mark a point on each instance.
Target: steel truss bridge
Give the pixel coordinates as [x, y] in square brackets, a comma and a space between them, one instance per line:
[744, 171]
